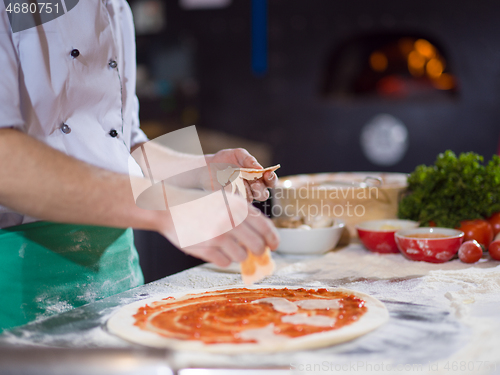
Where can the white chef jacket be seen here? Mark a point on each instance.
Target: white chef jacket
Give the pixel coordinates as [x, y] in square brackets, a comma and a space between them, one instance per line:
[84, 106]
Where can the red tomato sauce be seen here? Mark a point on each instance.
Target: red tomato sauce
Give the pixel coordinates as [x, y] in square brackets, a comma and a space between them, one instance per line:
[219, 317]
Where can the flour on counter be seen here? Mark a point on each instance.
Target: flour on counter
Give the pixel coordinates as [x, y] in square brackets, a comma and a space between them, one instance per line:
[474, 285]
[355, 261]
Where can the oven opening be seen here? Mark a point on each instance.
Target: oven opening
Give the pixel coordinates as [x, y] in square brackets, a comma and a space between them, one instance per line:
[390, 66]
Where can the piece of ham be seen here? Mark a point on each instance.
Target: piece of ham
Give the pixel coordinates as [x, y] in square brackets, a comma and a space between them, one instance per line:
[237, 176]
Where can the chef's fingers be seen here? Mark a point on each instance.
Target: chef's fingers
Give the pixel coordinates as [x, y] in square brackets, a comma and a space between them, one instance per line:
[259, 190]
[245, 159]
[270, 179]
[212, 254]
[264, 227]
[249, 192]
[249, 238]
[231, 247]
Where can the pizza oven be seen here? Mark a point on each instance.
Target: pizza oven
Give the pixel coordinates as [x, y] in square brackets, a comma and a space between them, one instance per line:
[384, 67]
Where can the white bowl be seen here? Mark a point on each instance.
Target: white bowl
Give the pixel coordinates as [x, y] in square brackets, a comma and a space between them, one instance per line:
[309, 241]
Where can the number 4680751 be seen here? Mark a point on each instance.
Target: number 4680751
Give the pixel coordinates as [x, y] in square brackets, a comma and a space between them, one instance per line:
[32, 8]
[470, 366]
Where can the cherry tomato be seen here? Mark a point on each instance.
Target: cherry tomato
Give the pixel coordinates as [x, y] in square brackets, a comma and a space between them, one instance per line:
[494, 250]
[470, 252]
[479, 230]
[494, 221]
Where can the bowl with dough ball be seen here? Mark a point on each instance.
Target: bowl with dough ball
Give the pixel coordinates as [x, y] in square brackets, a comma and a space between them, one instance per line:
[429, 244]
[313, 236]
[378, 235]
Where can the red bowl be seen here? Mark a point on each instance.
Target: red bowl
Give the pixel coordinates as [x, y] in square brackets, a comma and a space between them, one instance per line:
[378, 235]
[415, 244]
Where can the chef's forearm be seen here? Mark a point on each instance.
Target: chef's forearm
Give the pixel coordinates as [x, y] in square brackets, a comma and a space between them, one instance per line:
[42, 182]
[166, 163]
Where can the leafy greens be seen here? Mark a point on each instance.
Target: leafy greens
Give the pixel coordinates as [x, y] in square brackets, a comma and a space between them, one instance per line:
[452, 190]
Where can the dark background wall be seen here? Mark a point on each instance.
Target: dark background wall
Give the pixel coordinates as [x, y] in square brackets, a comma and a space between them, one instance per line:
[284, 106]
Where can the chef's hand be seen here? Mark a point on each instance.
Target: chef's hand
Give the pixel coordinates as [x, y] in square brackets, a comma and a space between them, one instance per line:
[256, 189]
[253, 234]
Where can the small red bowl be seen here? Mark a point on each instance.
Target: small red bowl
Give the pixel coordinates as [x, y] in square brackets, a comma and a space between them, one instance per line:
[434, 245]
[378, 235]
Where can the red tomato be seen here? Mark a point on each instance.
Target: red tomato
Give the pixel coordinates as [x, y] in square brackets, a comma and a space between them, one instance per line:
[494, 221]
[494, 250]
[470, 252]
[479, 230]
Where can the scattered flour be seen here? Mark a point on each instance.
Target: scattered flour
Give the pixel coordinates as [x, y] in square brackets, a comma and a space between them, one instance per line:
[51, 306]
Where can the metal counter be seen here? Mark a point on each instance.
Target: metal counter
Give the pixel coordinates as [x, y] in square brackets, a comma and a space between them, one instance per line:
[443, 317]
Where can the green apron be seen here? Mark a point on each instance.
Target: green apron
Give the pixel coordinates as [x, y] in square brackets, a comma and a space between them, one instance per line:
[47, 268]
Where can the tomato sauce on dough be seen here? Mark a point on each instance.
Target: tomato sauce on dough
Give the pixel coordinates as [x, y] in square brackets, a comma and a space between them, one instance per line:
[220, 317]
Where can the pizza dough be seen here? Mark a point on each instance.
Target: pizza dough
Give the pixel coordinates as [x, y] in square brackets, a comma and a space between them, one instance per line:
[241, 320]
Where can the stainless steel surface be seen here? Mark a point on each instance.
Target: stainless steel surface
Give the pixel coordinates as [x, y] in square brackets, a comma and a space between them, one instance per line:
[232, 371]
[84, 361]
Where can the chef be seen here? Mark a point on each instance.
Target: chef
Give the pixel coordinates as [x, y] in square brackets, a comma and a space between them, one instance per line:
[68, 122]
